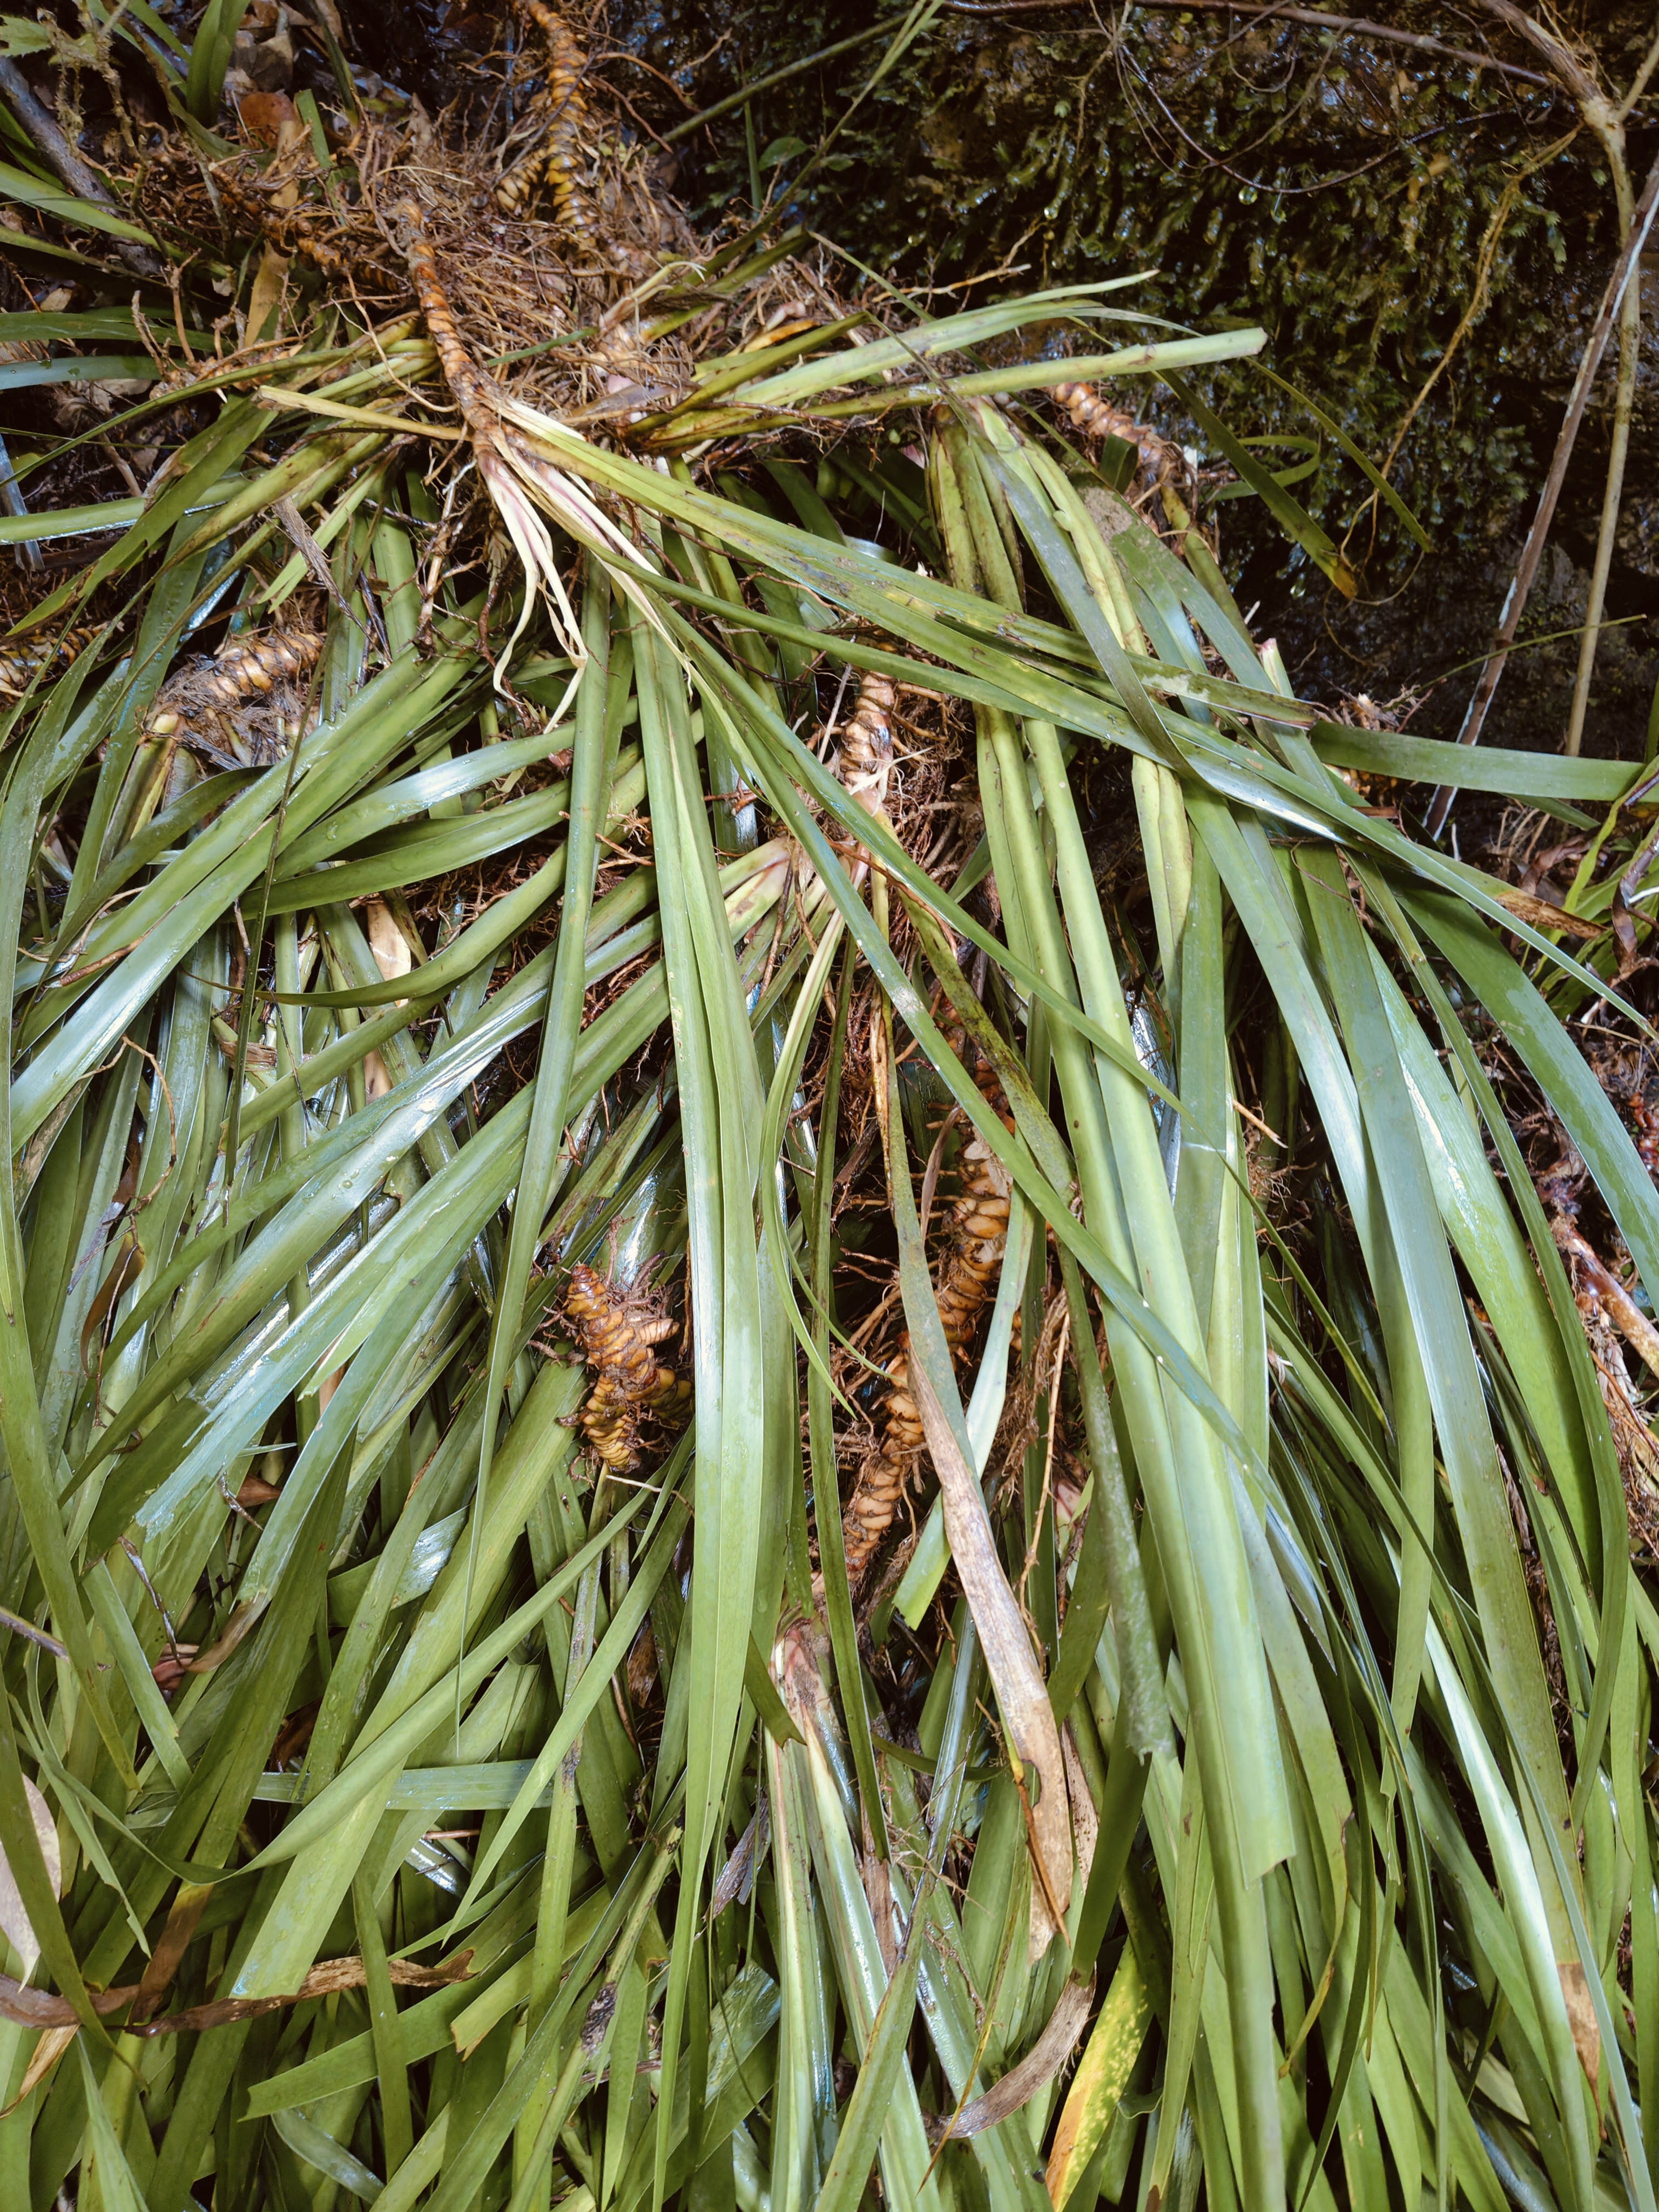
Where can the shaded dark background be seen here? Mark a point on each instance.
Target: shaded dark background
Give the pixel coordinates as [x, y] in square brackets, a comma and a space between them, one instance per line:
[1221, 154]
[1362, 199]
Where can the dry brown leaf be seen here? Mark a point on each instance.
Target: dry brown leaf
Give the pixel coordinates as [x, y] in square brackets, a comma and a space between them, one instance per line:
[1633, 1324]
[1021, 1694]
[54, 2042]
[242, 1622]
[270, 282]
[37, 2008]
[878, 1895]
[129, 1265]
[1021, 2083]
[264, 114]
[295, 1735]
[175, 1941]
[642, 1668]
[1581, 2017]
[171, 1668]
[1539, 914]
[737, 1876]
[13, 1918]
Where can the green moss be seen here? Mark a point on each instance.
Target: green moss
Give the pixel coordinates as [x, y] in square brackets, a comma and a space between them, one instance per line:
[1326, 187]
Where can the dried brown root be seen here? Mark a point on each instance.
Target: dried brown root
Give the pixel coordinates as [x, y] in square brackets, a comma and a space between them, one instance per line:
[246, 706]
[865, 762]
[337, 249]
[462, 378]
[559, 157]
[513, 189]
[618, 1327]
[1098, 418]
[19, 661]
[978, 1232]
[293, 233]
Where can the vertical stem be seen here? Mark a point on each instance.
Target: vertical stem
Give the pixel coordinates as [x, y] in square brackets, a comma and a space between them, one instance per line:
[754, 159]
[1630, 340]
[820, 1433]
[291, 1122]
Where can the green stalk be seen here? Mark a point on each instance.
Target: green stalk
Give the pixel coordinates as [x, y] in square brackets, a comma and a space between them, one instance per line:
[1214, 1610]
[540, 1177]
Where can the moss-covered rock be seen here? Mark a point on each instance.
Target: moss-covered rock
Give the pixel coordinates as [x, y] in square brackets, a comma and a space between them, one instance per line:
[1373, 205]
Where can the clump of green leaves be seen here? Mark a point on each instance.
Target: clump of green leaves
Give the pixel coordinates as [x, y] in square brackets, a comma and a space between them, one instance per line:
[439, 1816]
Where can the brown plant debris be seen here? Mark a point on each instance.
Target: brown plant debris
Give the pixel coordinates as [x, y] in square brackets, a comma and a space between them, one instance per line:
[1098, 418]
[618, 1327]
[36, 2009]
[561, 111]
[245, 707]
[1608, 1312]
[977, 1230]
[1021, 2083]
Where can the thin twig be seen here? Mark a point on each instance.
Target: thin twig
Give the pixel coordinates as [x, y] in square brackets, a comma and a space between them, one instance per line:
[1638, 83]
[1564, 64]
[1533, 551]
[19, 1626]
[779, 76]
[1361, 24]
[1607, 123]
[37, 120]
[1624, 407]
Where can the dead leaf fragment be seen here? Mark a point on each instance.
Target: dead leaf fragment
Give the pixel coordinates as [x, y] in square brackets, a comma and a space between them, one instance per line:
[1539, 914]
[295, 1733]
[1021, 2083]
[38, 2008]
[129, 1265]
[171, 1668]
[878, 1895]
[13, 1918]
[175, 1941]
[1021, 1693]
[736, 1877]
[1581, 2016]
[53, 2043]
[264, 114]
[242, 1622]
[1633, 1324]
[387, 943]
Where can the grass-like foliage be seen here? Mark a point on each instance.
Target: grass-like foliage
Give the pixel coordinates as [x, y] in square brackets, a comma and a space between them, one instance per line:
[587, 1046]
